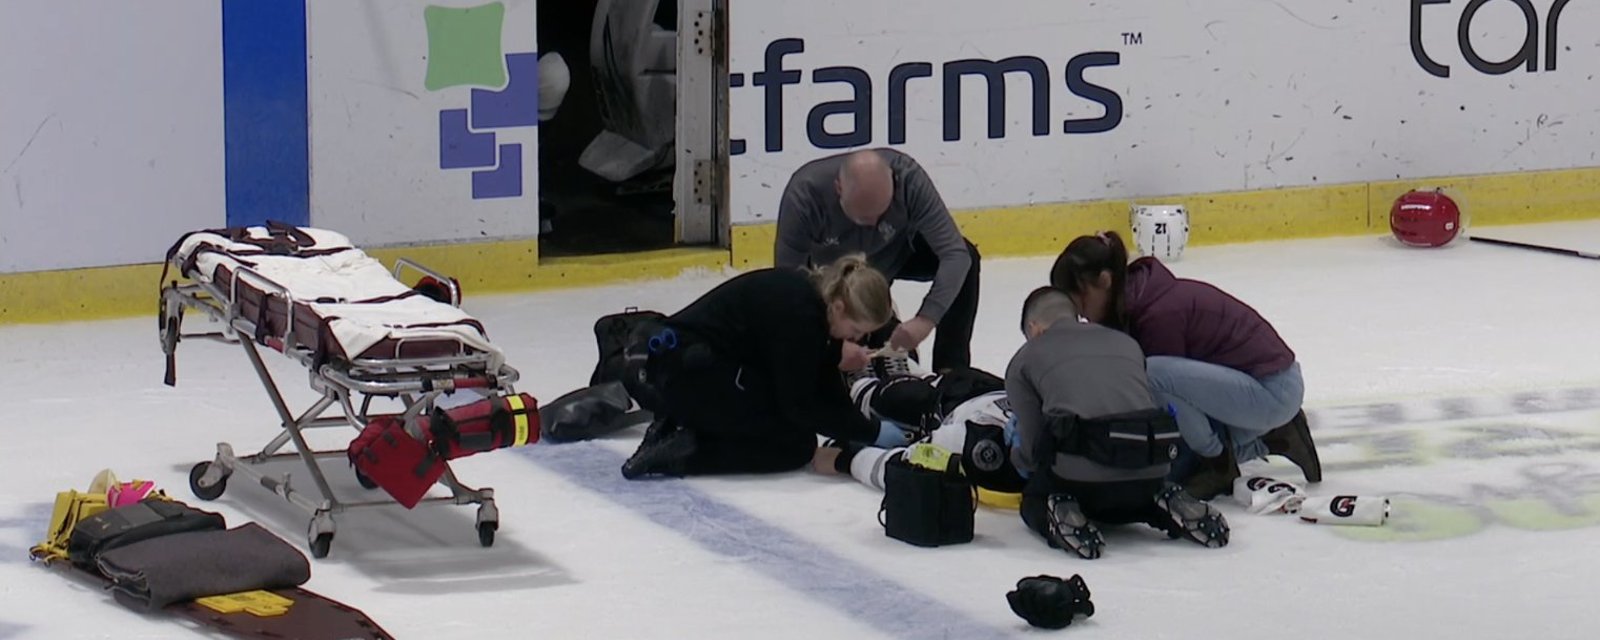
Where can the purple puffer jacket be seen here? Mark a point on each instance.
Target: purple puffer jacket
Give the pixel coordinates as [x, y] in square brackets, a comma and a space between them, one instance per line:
[1172, 316]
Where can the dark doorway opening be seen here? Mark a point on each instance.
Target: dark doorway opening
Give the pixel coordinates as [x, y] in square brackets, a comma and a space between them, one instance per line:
[606, 157]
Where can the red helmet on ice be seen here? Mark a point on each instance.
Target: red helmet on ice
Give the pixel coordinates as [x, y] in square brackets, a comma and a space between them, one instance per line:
[1425, 219]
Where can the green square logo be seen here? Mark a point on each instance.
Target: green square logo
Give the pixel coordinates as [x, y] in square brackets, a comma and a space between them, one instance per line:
[464, 46]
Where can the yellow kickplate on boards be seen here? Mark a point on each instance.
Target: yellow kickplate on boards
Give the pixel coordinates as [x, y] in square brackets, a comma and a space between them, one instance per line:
[257, 603]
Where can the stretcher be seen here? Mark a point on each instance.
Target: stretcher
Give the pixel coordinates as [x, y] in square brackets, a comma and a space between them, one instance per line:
[361, 333]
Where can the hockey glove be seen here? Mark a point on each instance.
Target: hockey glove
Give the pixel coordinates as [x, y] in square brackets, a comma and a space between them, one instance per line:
[1050, 602]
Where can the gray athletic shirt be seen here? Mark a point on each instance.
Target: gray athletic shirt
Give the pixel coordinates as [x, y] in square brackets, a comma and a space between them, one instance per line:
[813, 230]
[1082, 369]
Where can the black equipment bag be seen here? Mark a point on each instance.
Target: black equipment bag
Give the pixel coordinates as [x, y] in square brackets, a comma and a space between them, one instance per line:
[927, 508]
[611, 335]
[122, 526]
[1135, 440]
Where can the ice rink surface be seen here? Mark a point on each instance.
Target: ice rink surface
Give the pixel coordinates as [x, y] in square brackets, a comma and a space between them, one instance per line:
[1463, 383]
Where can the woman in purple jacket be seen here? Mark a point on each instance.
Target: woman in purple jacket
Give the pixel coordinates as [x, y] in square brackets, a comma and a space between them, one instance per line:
[1214, 359]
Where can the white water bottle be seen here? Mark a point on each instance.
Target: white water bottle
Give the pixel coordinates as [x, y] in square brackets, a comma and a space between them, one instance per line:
[1261, 494]
[1363, 511]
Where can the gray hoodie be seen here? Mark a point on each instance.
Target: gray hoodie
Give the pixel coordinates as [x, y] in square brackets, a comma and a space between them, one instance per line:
[1082, 369]
[813, 230]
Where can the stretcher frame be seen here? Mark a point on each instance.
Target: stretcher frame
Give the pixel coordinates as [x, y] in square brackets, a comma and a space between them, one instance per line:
[417, 382]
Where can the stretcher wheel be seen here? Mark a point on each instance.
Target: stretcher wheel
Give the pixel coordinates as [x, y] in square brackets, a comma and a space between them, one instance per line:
[203, 492]
[366, 483]
[486, 533]
[321, 544]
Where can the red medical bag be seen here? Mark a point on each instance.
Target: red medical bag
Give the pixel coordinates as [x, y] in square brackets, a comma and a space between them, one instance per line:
[388, 456]
[485, 425]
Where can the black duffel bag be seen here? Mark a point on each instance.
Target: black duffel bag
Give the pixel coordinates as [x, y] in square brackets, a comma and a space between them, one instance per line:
[122, 526]
[927, 507]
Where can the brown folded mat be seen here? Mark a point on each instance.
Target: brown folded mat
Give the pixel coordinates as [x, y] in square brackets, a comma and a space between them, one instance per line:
[154, 573]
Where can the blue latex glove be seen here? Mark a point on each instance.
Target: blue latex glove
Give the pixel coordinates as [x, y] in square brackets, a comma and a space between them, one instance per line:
[1014, 440]
[891, 435]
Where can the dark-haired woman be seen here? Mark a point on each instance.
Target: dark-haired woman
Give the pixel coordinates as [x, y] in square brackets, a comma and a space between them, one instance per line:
[1228, 375]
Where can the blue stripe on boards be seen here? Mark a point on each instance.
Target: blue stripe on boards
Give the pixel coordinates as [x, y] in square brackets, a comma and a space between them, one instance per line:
[266, 128]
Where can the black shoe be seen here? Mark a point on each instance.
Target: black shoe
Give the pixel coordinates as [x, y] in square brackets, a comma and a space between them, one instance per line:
[1213, 476]
[1070, 529]
[1293, 441]
[659, 428]
[1191, 518]
[666, 454]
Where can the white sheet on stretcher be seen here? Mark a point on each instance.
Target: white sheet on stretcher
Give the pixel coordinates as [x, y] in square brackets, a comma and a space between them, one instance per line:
[348, 276]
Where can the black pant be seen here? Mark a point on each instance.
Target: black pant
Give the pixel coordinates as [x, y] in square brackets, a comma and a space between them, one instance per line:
[732, 411]
[952, 348]
[1124, 502]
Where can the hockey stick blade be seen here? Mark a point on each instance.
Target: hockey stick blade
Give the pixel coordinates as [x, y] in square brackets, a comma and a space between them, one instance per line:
[1537, 247]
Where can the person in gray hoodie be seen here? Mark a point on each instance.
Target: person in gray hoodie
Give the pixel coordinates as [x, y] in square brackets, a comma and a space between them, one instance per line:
[882, 203]
[1091, 439]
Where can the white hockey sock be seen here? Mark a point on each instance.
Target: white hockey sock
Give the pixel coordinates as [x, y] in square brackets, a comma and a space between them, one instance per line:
[868, 465]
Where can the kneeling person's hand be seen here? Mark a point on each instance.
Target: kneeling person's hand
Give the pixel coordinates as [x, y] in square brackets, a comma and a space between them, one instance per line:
[854, 357]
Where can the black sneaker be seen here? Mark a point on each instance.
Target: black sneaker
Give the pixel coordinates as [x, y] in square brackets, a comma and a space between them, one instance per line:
[1192, 518]
[1293, 441]
[665, 454]
[1070, 529]
[658, 429]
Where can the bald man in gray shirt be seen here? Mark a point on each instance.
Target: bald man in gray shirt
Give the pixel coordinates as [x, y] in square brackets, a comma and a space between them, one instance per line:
[880, 202]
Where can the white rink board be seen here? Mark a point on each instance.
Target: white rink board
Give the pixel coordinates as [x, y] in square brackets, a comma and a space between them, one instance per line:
[375, 129]
[1224, 95]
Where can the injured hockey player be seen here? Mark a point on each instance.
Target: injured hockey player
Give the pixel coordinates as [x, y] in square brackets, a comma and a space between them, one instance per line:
[1101, 474]
[963, 411]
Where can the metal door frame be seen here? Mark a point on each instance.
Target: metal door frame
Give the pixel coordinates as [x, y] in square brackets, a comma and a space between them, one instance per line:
[699, 185]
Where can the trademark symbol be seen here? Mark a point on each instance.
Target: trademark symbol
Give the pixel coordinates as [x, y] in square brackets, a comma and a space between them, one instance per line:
[1136, 37]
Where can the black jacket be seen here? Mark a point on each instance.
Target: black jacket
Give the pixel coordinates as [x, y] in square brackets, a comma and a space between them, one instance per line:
[774, 323]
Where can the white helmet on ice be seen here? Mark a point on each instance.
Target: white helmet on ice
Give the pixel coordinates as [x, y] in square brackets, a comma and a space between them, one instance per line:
[1160, 230]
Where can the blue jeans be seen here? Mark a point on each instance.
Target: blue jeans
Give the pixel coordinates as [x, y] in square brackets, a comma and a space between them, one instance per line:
[1249, 407]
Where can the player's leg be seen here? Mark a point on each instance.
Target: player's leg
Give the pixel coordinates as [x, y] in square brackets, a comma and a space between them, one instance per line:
[867, 464]
[890, 392]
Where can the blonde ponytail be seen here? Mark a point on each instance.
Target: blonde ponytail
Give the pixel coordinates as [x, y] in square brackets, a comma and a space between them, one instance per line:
[864, 291]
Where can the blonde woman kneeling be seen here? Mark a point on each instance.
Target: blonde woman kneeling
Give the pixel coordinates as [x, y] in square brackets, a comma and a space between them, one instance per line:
[743, 379]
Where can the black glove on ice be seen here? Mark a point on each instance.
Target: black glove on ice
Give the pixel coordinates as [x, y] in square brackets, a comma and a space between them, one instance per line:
[1050, 602]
